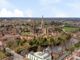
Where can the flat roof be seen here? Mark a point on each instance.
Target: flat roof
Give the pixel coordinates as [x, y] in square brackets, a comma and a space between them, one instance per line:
[41, 55]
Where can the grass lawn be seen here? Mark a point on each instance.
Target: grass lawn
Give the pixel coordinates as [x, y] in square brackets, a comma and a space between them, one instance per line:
[25, 33]
[2, 55]
[70, 29]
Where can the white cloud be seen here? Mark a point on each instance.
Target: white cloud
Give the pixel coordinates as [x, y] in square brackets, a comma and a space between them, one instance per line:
[7, 9]
[5, 13]
[15, 13]
[18, 13]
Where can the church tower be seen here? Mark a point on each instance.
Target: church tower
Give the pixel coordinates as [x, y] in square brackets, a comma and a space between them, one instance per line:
[44, 29]
[42, 23]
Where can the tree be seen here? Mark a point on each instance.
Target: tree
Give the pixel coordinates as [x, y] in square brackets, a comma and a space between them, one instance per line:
[2, 55]
[11, 44]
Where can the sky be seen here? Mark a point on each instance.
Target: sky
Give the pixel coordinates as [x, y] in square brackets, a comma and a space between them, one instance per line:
[38, 8]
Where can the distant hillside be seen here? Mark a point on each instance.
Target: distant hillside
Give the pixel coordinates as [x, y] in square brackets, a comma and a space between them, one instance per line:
[36, 18]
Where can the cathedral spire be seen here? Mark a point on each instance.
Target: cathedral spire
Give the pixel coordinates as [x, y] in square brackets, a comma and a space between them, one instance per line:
[42, 22]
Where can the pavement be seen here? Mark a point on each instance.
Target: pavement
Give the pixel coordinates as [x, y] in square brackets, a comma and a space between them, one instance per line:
[15, 55]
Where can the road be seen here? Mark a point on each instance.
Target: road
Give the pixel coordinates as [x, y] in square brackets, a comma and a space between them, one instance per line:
[63, 56]
[15, 55]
